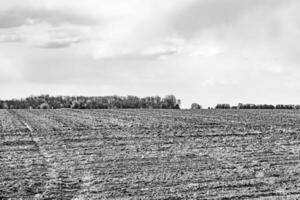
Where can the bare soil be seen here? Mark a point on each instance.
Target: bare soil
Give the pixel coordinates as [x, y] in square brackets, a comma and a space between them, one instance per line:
[149, 154]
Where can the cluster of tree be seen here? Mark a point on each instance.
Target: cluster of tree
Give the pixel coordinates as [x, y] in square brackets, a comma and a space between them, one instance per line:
[82, 102]
[195, 106]
[254, 106]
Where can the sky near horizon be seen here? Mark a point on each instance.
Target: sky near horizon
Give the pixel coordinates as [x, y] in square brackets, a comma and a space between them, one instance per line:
[205, 51]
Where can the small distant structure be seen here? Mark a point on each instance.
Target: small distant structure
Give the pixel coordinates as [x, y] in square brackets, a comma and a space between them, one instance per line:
[195, 106]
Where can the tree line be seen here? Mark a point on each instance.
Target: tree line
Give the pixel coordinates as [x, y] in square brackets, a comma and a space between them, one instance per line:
[83, 102]
[257, 106]
[196, 106]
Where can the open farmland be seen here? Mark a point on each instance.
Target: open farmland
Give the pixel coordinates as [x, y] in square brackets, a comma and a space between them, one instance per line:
[149, 154]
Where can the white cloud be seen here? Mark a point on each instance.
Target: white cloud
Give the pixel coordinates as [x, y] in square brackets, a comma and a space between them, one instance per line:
[171, 45]
[57, 37]
[10, 37]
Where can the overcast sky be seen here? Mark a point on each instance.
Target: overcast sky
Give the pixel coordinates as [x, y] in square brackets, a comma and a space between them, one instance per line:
[205, 51]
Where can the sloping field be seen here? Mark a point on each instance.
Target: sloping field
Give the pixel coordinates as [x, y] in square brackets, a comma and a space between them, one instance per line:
[149, 154]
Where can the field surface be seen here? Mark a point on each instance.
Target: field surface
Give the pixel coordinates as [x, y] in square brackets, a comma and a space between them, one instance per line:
[149, 154]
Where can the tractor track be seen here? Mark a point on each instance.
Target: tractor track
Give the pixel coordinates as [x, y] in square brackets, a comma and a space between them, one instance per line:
[59, 183]
[151, 154]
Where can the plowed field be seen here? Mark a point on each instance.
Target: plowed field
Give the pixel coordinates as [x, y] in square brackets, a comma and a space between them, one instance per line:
[149, 154]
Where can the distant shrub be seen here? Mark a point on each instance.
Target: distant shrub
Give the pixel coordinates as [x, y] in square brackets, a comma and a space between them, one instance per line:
[253, 106]
[170, 102]
[265, 106]
[281, 106]
[177, 106]
[195, 106]
[247, 106]
[223, 106]
[44, 106]
[5, 106]
[75, 105]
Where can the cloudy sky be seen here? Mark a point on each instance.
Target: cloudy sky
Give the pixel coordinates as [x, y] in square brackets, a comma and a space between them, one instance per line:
[206, 51]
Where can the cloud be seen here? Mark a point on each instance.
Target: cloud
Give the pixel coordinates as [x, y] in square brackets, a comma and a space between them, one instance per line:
[44, 35]
[11, 37]
[205, 28]
[218, 82]
[60, 37]
[160, 50]
[44, 25]
[29, 15]
[204, 14]
[190, 47]
[58, 43]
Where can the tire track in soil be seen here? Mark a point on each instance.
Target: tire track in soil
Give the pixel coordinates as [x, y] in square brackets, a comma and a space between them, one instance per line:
[38, 167]
[59, 183]
[218, 165]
